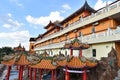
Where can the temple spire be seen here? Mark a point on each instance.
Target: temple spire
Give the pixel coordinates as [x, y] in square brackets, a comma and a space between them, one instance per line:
[19, 44]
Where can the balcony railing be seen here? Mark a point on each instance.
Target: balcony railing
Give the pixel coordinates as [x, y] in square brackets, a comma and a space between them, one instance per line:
[111, 35]
[107, 11]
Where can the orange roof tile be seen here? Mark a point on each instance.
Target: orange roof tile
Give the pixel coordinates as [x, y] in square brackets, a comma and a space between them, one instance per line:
[62, 62]
[22, 60]
[75, 62]
[8, 63]
[90, 64]
[44, 64]
[76, 44]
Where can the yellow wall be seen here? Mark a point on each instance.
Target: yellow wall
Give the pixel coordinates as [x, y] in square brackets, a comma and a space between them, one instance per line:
[31, 47]
[102, 49]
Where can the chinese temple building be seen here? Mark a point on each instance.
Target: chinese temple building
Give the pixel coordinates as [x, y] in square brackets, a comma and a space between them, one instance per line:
[74, 47]
[99, 28]
[19, 48]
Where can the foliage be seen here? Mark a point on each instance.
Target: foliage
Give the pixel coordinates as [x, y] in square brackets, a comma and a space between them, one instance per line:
[6, 50]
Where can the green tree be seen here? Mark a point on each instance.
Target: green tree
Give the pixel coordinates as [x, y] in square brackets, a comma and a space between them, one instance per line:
[7, 50]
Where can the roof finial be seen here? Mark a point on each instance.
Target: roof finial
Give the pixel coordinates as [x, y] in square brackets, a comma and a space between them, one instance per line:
[19, 44]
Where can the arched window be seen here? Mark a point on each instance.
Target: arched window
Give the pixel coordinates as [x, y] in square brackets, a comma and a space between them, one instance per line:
[32, 47]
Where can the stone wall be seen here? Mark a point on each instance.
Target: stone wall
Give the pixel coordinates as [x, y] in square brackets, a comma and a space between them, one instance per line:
[106, 69]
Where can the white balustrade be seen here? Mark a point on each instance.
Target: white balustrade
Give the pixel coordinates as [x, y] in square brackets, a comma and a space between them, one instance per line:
[105, 34]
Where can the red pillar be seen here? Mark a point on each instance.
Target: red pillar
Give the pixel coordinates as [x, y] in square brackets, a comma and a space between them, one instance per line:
[21, 72]
[84, 75]
[67, 74]
[71, 51]
[8, 73]
[55, 74]
[52, 78]
[30, 73]
[80, 52]
[35, 73]
[17, 67]
[40, 74]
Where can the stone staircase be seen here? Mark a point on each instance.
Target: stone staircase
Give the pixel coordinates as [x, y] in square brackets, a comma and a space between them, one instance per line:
[118, 76]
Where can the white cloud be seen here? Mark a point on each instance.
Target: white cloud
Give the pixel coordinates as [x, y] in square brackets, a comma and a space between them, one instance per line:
[6, 25]
[9, 15]
[13, 24]
[100, 3]
[13, 39]
[20, 5]
[17, 3]
[66, 6]
[44, 20]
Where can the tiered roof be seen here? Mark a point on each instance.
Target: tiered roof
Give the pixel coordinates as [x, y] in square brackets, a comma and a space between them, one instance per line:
[76, 44]
[85, 7]
[43, 61]
[44, 64]
[19, 59]
[8, 60]
[22, 60]
[77, 62]
[50, 62]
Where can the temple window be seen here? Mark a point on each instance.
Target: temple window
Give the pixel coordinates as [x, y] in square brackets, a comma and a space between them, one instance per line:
[94, 52]
[93, 29]
[32, 47]
[80, 34]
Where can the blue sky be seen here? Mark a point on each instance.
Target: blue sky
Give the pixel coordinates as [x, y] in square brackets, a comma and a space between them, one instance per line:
[22, 19]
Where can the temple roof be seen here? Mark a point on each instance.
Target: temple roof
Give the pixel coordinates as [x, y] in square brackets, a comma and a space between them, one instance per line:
[76, 44]
[86, 7]
[75, 62]
[22, 60]
[39, 36]
[56, 23]
[90, 64]
[50, 23]
[44, 64]
[32, 39]
[62, 62]
[9, 62]
[83, 8]
[51, 29]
